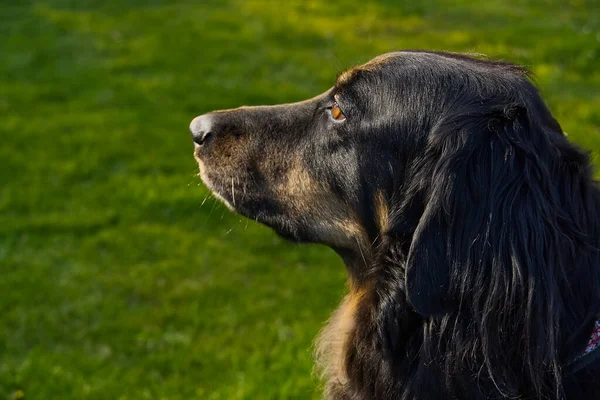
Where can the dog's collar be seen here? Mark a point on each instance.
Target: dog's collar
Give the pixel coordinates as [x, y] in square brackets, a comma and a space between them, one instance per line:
[590, 354]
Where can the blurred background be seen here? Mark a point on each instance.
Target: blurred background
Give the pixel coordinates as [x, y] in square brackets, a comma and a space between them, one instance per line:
[120, 278]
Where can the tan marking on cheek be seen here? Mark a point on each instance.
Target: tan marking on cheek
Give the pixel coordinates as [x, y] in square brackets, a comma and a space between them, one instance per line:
[299, 183]
[332, 220]
[381, 211]
[306, 196]
[331, 343]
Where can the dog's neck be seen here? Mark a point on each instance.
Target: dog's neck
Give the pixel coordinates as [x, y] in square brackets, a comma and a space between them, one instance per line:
[357, 261]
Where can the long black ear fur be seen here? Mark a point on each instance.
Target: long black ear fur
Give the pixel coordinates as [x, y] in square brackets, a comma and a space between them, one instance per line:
[475, 171]
[507, 243]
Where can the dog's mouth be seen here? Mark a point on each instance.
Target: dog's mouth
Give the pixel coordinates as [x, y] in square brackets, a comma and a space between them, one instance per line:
[240, 194]
[244, 196]
[225, 192]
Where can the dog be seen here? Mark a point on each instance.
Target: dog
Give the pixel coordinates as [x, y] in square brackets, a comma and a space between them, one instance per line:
[468, 223]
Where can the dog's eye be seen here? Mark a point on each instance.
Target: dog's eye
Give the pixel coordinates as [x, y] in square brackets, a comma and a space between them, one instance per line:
[336, 112]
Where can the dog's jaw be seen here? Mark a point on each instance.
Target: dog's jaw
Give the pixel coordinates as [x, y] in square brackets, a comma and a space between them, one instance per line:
[209, 184]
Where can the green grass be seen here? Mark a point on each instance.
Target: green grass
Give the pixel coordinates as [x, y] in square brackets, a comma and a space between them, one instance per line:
[115, 281]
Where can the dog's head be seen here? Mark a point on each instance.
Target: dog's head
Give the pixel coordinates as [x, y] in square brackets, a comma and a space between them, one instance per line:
[323, 170]
[426, 148]
[444, 179]
[320, 170]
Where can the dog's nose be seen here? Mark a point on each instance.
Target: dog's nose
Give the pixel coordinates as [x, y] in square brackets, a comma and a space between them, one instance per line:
[200, 127]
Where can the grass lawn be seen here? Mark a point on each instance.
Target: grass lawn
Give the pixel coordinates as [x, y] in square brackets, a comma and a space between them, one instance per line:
[119, 279]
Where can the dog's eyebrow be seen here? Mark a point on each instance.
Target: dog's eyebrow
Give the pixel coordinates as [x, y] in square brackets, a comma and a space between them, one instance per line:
[344, 77]
[340, 73]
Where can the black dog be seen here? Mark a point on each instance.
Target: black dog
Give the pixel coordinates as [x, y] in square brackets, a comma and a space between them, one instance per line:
[468, 223]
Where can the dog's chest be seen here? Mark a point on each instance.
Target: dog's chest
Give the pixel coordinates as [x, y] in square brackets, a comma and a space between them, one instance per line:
[333, 341]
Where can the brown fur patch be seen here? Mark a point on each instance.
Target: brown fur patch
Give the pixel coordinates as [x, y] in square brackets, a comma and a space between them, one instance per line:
[334, 221]
[298, 184]
[381, 211]
[346, 76]
[378, 62]
[371, 66]
[332, 341]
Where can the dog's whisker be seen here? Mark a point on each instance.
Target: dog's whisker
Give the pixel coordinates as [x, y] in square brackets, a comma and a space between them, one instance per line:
[375, 240]
[232, 192]
[207, 218]
[215, 203]
[361, 252]
[204, 201]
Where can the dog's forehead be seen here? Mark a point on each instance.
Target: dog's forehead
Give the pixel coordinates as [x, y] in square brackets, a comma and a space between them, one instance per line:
[374, 65]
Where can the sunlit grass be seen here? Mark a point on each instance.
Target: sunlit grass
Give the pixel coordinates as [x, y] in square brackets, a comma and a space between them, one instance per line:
[118, 279]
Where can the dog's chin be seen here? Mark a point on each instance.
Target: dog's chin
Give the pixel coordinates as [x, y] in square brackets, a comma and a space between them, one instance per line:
[258, 206]
[229, 203]
[265, 211]
[269, 213]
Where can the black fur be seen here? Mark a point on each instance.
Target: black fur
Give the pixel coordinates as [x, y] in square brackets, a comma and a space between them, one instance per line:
[484, 283]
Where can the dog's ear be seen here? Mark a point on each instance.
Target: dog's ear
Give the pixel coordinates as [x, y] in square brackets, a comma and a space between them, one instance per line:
[428, 263]
[468, 169]
[498, 236]
[438, 178]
